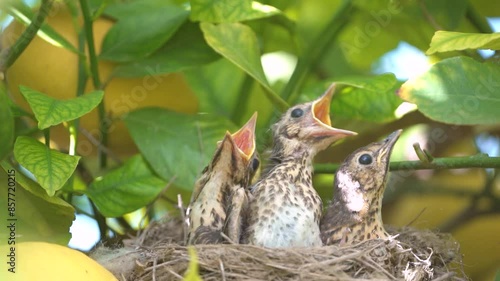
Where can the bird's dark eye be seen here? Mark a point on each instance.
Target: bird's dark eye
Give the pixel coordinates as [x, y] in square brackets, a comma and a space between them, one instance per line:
[255, 164]
[297, 113]
[365, 159]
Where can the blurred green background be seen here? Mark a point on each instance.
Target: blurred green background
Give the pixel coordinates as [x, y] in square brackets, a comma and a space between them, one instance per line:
[382, 41]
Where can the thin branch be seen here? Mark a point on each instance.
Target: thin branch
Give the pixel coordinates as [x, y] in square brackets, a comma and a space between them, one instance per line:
[315, 51]
[423, 155]
[94, 69]
[474, 161]
[10, 55]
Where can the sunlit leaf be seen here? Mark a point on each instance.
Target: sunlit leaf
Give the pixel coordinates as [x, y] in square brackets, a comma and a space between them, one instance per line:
[20, 11]
[141, 35]
[39, 217]
[186, 49]
[125, 189]
[193, 271]
[458, 90]
[445, 41]
[51, 168]
[7, 124]
[176, 144]
[238, 43]
[50, 111]
[229, 11]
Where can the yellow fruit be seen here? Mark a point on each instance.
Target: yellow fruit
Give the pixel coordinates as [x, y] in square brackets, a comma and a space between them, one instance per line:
[479, 244]
[45, 261]
[53, 71]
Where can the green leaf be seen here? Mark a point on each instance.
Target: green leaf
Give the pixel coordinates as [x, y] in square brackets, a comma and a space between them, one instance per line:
[399, 19]
[186, 49]
[49, 111]
[7, 125]
[176, 144]
[229, 11]
[487, 8]
[51, 168]
[447, 13]
[361, 45]
[368, 98]
[371, 99]
[193, 271]
[458, 90]
[238, 43]
[39, 216]
[212, 83]
[141, 35]
[124, 9]
[23, 13]
[126, 188]
[446, 41]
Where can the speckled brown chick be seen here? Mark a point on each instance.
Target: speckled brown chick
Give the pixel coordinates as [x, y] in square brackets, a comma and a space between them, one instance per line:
[354, 214]
[220, 194]
[285, 209]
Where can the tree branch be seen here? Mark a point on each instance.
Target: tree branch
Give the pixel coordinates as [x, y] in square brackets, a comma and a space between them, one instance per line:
[94, 69]
[474, 161]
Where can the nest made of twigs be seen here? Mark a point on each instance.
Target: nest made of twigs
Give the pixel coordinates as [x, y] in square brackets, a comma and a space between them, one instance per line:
[159, 254]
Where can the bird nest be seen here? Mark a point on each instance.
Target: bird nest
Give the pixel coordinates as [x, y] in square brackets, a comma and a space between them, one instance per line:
[158, 253]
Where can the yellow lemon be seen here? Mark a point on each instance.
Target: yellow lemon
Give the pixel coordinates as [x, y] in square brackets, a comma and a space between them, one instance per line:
[45, 261]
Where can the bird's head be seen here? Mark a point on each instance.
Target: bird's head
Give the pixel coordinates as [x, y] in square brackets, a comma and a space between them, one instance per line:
[237, 153]
[360, 180]
[308, 125]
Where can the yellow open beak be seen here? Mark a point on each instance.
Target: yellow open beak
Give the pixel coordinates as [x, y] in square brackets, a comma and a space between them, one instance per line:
[321, 115]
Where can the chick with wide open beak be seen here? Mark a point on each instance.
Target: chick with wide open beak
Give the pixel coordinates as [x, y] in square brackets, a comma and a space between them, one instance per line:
[322, 125]
[244, 138]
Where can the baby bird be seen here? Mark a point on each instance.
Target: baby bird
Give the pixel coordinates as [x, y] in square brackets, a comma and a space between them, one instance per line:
[355, 215]
[285, 210]
[220, 194]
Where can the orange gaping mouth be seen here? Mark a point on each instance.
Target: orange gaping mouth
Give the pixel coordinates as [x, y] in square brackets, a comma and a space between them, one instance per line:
[321, 116]
[244, 138]
[321, 107]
